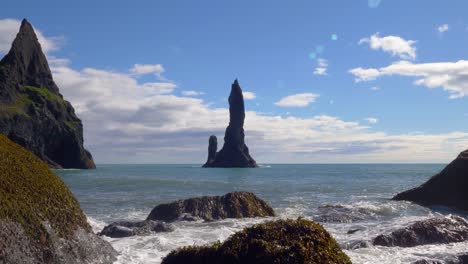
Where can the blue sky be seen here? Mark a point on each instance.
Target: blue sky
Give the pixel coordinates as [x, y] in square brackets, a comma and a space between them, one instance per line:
[415, 111]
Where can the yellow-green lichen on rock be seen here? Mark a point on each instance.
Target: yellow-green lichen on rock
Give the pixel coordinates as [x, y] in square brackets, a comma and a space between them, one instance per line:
[30, 194]
[40, 219]
[283, 242]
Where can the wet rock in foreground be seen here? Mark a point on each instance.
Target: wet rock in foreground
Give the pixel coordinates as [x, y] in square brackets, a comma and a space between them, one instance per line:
[208, 208]
[284, 241]
[440, 230]
[142, 228]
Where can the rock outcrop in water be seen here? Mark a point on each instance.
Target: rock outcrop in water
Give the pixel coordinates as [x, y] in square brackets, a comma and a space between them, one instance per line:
[141, 228]
[234, 154]
[440, 230]
[40, 220]
[231, 205]
[283, 242]
[33, 113]
[448, 188]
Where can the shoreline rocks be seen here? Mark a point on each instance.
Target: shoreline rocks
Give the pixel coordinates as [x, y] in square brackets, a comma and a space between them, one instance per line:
[208, 208]
[141, 228]
[33, 113]
[283, 241]
[447, 188]
[439, 230]
[235, 153]
[40, 219]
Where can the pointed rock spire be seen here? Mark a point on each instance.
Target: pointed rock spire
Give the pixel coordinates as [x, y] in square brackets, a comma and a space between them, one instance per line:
[32, 111]
[27, 61]
[234, 152]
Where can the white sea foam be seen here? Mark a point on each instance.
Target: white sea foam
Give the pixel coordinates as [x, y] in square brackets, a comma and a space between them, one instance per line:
[151, 249]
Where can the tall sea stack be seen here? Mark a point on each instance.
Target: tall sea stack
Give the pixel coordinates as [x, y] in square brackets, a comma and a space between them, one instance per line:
[33, 113]
[234, 154]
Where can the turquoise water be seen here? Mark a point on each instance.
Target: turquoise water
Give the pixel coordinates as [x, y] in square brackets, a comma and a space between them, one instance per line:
[129, 192]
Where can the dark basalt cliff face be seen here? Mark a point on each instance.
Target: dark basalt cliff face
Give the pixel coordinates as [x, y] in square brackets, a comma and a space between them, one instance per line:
[234, 152]
[448, 188]
[32, 111]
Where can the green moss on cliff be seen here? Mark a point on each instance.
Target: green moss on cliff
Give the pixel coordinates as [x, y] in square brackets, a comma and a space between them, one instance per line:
[19, 107]
[45, 93]
[282, 241]
[30, 194]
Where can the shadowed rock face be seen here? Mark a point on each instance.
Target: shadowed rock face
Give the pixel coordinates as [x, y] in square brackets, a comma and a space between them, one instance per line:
[234, 152]
[231, 205]
[32, 111]
[448, 188]
[440, 230]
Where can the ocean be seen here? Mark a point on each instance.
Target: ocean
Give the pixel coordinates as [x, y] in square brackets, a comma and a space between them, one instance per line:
[129, 192]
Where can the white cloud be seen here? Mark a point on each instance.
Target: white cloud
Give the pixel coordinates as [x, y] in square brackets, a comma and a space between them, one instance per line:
[395, 45]
[10, 27]
[322, 66]
[443, 28]
[372, 120]
[450, 76]
[375, 88]
[248, 95]
[191, 93]
[128, 121]
[143, 69]
[297, 100]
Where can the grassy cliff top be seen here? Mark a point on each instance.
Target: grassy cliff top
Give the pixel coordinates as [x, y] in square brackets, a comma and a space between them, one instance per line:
[30, 194]
[281, 241]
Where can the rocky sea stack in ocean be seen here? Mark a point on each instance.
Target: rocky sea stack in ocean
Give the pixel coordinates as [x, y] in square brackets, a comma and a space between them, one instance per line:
[234, 154]
[448, 188]
[33, 113]
[40, 220]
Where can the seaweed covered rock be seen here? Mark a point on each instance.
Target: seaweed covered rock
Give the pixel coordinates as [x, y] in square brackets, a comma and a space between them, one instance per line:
[141, 228]
[33, 113]
[283, 241]
[40, 220]
[231, 205]
[235, 153]
[439, 230]
[447, 188]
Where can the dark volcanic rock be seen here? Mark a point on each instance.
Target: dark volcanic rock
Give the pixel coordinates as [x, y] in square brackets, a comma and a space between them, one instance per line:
[234, 152]
[142, 228]
[231, 205]
[448, 188]
[212, 148]
[283, 242]
[40, 220]
[440, 230]
[32, 111]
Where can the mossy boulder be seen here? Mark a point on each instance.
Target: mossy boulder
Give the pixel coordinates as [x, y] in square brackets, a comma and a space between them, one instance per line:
[230, 205]
[40, 220]
[283, 241]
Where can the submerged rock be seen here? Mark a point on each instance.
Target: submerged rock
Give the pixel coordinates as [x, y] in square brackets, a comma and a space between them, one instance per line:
[141, 228]
[235, 152]
[40, 220]
[283, 241]
[231, 205]
[448, 188]
[341, 214]
[33, 113]
[440, 230]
